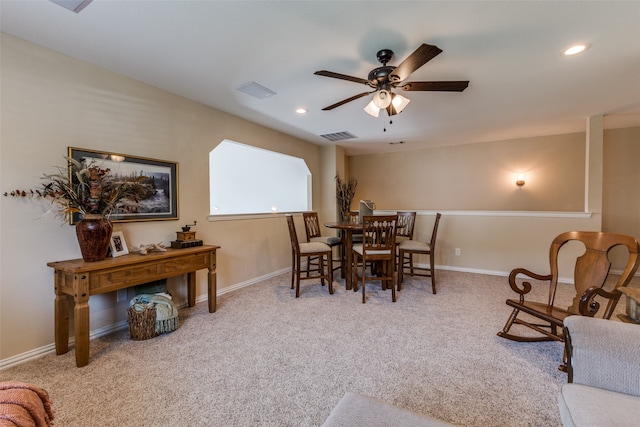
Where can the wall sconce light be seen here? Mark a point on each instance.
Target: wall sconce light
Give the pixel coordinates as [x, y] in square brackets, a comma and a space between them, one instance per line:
[520, 180]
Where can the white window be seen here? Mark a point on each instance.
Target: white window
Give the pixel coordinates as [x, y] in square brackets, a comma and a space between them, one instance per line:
[249, 180]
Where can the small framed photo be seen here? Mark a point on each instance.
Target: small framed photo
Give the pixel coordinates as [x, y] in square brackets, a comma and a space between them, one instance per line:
[118, 244]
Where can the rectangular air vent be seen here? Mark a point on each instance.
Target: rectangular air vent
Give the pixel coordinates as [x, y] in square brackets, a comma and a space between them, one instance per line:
[73, 5]
[338, 136]
[256, 90]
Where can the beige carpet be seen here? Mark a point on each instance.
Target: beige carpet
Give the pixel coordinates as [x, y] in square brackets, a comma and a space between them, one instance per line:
[266, 358]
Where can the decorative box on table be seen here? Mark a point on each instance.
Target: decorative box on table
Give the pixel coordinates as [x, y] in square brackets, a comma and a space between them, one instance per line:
[186, 238]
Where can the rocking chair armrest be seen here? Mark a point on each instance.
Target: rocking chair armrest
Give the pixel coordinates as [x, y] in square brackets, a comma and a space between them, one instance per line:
[526, 286]
[589, 306]
[603, 353]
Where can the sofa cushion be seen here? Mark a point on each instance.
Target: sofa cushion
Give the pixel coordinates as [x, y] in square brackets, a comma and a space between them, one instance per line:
[605, 353]
[355, 410]
[584, 406]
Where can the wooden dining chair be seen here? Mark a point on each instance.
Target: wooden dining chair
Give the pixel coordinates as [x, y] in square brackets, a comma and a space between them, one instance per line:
[378, 246]
[406, 221]
[404, 231]
[314, 234]
[408, 248]
[353, 216]
[308, 250]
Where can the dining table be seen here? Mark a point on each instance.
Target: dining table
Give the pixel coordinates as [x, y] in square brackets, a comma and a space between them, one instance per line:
[347, 230]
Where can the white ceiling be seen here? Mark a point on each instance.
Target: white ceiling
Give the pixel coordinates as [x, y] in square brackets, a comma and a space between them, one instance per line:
[510, 51]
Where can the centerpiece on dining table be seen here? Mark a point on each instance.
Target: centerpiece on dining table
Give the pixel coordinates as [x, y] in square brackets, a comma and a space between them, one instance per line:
[88, 190]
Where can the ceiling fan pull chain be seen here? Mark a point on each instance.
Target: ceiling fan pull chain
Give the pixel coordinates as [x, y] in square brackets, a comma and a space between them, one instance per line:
[384, 129]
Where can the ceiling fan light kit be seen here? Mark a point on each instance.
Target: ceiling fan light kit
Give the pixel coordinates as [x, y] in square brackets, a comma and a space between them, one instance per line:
[399, 102]
[384, 79]
[372, 109]
[382, 98]
[395, 106]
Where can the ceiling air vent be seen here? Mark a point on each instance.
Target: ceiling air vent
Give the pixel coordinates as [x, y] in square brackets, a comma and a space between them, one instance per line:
[256, 90]
[73, 5]
[338, 136]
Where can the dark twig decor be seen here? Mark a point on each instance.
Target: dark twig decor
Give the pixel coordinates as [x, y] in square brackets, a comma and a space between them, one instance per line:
[345, 191]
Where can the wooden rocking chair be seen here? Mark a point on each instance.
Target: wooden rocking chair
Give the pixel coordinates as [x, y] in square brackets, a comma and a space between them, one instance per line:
[591, 272]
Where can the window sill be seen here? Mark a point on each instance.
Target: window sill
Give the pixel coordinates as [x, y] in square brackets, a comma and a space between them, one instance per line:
[240, 217]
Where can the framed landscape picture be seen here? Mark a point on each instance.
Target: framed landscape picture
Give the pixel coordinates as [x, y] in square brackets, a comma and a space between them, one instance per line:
[160, 178]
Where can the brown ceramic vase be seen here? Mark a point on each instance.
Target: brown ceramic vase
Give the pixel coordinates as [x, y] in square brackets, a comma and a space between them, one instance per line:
[94, 233]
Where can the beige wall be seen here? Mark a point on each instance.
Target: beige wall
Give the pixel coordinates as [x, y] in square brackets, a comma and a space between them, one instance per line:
[50, 101]
[621, 195]
[327, 208]
[478, 176]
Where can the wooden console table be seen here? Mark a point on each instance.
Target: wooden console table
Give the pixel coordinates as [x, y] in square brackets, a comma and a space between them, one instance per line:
[79, 280]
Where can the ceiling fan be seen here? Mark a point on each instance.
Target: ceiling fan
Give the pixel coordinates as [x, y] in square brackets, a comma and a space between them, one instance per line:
[384, 79]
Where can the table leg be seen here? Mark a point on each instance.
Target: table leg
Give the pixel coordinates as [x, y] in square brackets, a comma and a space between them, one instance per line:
[81, 319]
[191, 288]
[343, 254]
[61, 316]
[212, 287]
[81, 326]
[349, 249]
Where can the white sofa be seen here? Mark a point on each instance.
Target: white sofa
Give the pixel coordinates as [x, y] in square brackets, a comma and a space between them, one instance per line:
[355, 410]
[604, 373]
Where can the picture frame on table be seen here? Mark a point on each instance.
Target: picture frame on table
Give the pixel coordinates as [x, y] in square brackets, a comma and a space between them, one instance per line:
[118, 244]
[161, 176]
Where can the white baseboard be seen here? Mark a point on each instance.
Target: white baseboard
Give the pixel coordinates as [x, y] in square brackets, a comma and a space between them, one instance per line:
[51, 348]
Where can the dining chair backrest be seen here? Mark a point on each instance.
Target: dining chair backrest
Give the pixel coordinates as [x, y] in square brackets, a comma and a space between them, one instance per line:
[435, 231]
[311, 225]
[379, 233]
[351, 216]
[406, 221]
[295, 244]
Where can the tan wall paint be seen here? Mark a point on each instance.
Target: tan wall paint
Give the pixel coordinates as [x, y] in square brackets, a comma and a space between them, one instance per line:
[327, 209]
[593, 174]
[478, 176]
[51, 101]
[621, 194]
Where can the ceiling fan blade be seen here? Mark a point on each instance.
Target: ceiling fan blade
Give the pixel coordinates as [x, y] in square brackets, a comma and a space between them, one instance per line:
[451, 86]
[341, 76]
[344, 101]
[422, 55]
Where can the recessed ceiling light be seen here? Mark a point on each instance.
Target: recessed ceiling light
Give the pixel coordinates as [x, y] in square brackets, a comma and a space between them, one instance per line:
[301, 110]
[576, 49]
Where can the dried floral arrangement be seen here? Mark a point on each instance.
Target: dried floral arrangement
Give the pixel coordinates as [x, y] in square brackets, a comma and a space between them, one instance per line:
[345, 192]
[86, 188]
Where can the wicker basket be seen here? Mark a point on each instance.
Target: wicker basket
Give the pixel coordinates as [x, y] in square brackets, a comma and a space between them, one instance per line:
[142, 323]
